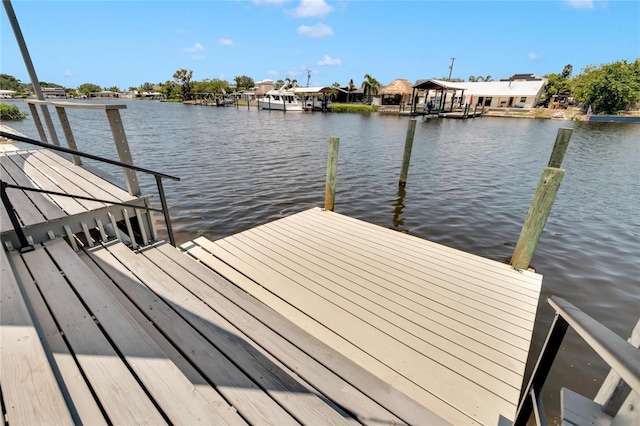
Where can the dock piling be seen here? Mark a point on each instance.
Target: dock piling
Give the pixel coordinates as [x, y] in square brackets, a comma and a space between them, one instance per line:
[332, 172]
[408, 145]
[542, 202]
[537, 217]
[560, 147]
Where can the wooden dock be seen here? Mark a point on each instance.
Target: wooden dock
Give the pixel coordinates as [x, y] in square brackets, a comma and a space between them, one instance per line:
[108, 335]
[449, 329]
[316, 318]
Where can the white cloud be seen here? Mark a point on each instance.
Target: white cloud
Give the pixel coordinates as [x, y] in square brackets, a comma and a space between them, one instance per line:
[581, 4]
[309, 8]
[198, 57]
[317, 30]
[329, 61]
[195, 48]
[67, 74]
[273, 72]
[226, 42]
[533, 56]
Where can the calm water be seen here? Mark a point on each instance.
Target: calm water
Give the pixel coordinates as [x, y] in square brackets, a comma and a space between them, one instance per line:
[470, 185]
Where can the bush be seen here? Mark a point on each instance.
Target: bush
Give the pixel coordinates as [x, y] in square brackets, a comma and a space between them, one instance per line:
[11, 113]
[353, 108]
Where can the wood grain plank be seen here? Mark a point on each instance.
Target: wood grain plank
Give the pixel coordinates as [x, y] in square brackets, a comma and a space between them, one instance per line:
[346, 350]
[203, 284]
[29, 388]
[46, 205]
[170, 389]
[392, 318]
[458, 305]
[84, 408]
[36, 179]
[250, 401]
[229, 414]
[447, 384]
[410, 245]
[22, 204]
[73, 185]
[121, 396]
[279, 382]
[576, 410]
[419, 306]
[407, 251]
[113, 190]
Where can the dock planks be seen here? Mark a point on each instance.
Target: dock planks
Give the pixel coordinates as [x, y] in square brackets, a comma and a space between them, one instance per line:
[43, 169]
[449, 329]
[154, 337]
[317, 318]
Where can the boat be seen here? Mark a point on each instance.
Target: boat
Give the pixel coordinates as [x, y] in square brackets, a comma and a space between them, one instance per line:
[280, 100]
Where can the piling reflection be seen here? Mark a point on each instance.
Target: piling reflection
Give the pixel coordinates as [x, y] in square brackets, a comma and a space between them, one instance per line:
[398, 207]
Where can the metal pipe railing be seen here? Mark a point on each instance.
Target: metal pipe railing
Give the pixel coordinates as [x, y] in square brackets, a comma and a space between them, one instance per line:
[158, 177]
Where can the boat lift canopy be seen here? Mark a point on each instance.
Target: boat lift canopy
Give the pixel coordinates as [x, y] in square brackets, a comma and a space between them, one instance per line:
[441, 85]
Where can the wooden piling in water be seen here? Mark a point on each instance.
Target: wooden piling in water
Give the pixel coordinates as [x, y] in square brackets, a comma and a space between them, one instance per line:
[542, 202]
[332, 172]
[406, 159]
[560, 147]
[537, 217]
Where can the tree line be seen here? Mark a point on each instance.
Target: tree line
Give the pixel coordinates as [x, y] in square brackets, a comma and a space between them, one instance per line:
[607, 89]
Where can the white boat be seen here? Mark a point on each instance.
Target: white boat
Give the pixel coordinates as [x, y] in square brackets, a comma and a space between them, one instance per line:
[281, 100]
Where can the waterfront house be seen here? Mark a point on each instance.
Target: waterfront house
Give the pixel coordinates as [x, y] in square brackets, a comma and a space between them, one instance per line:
[53, 92]
[518, 91]
[345, 95]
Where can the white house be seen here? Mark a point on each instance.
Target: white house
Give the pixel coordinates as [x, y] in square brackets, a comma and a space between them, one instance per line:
[504, 94]
[519, 91]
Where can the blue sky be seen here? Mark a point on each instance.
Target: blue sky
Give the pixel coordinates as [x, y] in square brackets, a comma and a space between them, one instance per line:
[128, 43]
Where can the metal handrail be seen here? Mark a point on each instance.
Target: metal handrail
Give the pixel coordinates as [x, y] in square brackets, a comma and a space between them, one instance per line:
[158, 176]
[621, 356]
[83, 154]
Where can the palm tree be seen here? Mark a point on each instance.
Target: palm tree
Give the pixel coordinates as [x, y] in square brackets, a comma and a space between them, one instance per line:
[350, 87]
[488, 78]
[370, 86]
[334, 90]
[472, 79]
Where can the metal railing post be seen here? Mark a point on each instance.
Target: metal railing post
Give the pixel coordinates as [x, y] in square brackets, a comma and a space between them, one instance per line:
[165, 210]
[24, 243]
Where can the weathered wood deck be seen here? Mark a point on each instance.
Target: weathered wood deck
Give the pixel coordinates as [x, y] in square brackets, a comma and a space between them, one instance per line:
[39, 213]
[449, 329]
[316, 318]
[113, 336]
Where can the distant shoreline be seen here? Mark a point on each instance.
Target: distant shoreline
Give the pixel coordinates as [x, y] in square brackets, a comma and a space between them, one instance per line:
[572, 113]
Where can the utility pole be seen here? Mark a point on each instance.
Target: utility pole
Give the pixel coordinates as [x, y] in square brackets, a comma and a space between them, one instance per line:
[308, 77]
[451, 67]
